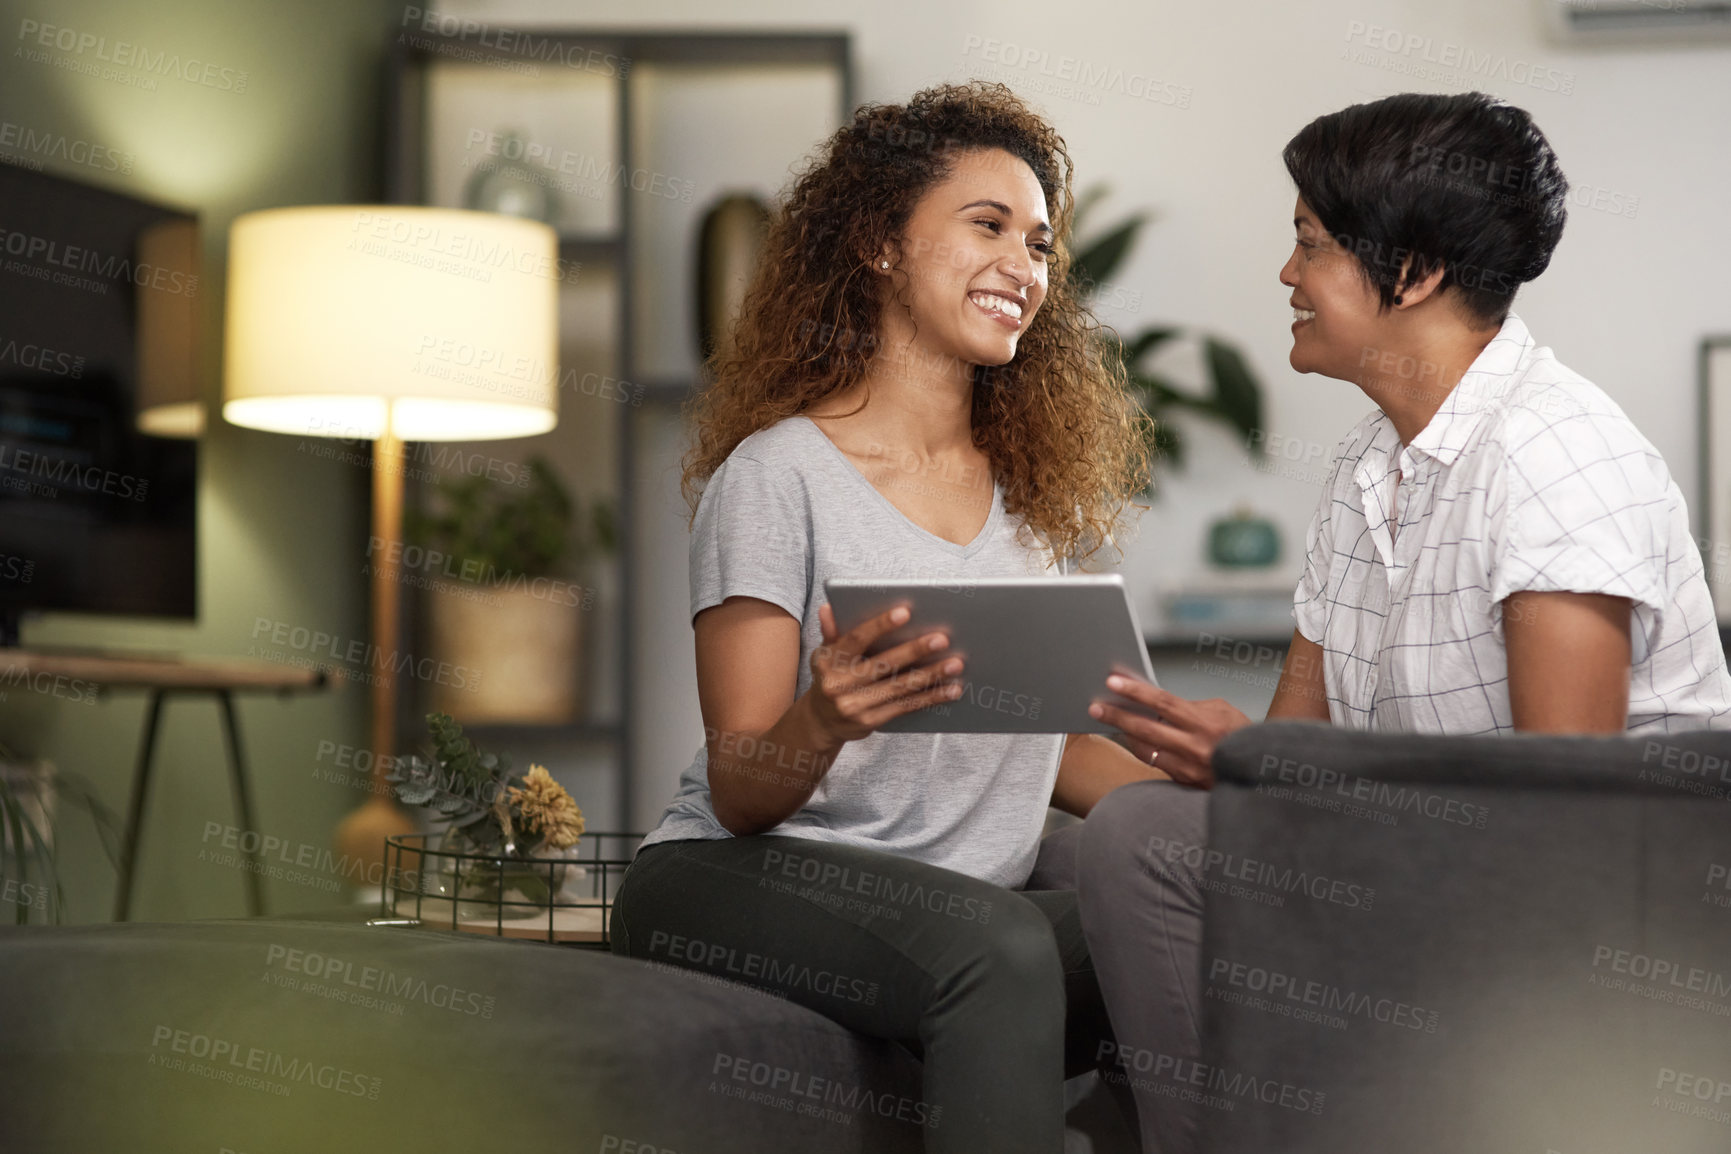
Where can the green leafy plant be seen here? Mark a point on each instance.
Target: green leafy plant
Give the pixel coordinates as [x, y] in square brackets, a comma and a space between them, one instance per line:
[492, 809]
[26, 852]
[530, 530]
[1234, 396]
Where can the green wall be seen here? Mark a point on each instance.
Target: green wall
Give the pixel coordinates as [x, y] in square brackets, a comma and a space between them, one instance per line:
[282, 534]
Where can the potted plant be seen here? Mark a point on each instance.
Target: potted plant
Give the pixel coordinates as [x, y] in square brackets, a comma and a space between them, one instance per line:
[1233, 394]
[1242, 540]
[506, 602]
[29, 795]
[508, 838]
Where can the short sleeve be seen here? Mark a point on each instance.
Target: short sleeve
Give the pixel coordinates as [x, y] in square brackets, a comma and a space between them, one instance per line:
[1310, 601]
[751, 538]
[1587, 511]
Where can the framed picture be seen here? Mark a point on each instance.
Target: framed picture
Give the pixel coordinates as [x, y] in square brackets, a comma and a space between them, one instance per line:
[1713, 503]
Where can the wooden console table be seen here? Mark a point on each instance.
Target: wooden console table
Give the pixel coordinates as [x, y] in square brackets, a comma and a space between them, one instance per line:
[159, 677]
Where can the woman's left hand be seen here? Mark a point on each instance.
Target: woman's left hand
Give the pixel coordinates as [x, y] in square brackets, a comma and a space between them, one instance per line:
[1181, 744]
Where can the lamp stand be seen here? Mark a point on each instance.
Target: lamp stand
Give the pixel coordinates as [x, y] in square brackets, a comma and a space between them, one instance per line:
[360, 837]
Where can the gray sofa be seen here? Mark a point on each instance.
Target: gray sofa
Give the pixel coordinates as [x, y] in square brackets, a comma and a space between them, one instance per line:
[264, 1037]
[1544, 963]
[1412, 944]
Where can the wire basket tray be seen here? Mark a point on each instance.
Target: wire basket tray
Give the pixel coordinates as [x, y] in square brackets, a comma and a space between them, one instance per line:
[472, 892]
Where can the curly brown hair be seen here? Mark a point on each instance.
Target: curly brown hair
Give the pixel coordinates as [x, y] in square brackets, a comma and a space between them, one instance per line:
[1064, 436]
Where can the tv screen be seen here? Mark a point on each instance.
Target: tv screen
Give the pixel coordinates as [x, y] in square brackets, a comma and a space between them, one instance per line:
[98, 294]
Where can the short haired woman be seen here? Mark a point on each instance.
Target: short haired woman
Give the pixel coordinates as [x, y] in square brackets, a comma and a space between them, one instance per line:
[1497, 547]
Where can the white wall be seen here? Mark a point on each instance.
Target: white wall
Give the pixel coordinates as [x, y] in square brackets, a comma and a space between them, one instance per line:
[1626, 301]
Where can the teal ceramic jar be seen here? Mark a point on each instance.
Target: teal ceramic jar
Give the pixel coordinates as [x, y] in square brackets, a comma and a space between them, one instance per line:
[1243, 541]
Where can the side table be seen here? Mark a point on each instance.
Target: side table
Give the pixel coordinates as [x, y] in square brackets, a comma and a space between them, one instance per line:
[159, 677]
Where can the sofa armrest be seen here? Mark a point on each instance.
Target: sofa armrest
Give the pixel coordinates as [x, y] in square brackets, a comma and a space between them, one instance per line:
[1496, 944]
[296, 1035]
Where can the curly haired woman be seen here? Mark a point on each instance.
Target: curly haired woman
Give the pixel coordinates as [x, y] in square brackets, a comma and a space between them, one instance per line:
[912, 392]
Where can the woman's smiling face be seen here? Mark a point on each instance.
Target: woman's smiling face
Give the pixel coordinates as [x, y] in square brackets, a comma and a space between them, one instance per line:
[971, 266]
[1336, 313]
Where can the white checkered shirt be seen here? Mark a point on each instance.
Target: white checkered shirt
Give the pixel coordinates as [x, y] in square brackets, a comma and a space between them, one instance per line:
[1527, 478]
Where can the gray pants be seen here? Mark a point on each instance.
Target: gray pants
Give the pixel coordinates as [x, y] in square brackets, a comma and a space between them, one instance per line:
[992, 988]
[1141, 912]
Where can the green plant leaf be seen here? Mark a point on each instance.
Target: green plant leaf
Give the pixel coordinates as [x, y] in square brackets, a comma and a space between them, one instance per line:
[1237, 396]
[407, 769]
[1086, 201]
[456, 754]
[75, 790]
[415, 794]
[1168, 442]
[506, 529]
[604, 520]
[30, 853]
[1096, 261]
[1146, 342]
[1158, 393]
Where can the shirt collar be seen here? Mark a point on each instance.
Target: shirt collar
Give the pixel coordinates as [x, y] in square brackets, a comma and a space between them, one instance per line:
[1377, 459]
[1485, 382]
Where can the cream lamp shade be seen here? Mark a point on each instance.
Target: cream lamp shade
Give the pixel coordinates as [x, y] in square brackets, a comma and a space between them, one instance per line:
[358, 321]
[169, 404]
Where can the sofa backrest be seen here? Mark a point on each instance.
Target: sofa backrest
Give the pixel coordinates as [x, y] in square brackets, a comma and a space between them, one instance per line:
[1501, 944]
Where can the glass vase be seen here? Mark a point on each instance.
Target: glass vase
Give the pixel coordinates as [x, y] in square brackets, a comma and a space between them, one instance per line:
[487, 885]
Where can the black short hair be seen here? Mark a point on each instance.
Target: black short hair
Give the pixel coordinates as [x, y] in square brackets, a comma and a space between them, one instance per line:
[1468, 182]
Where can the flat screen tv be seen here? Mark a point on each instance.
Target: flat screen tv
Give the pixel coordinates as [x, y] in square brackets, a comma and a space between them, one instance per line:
[98, 296]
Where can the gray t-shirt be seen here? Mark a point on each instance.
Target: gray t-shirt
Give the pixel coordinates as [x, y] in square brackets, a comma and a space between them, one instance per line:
[786, 511]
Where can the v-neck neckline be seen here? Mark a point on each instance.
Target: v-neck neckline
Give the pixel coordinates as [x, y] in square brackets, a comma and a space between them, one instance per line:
[971, 547]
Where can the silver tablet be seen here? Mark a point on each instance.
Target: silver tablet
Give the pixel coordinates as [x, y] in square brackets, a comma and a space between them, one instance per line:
[1037, 649]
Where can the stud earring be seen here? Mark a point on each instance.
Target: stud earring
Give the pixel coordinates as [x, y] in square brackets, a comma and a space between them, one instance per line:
[883, 264]
[1397, 298]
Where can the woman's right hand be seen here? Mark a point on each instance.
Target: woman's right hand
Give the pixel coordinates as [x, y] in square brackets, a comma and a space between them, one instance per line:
[852, 694]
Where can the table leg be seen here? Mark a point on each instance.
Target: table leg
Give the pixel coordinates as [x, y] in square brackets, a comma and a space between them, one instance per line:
[135, 810]
[237, 774]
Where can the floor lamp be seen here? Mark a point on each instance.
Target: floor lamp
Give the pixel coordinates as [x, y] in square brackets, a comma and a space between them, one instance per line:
[390, 324]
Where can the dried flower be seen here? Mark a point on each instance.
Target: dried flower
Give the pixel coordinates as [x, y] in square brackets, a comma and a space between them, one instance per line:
[547, 808]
